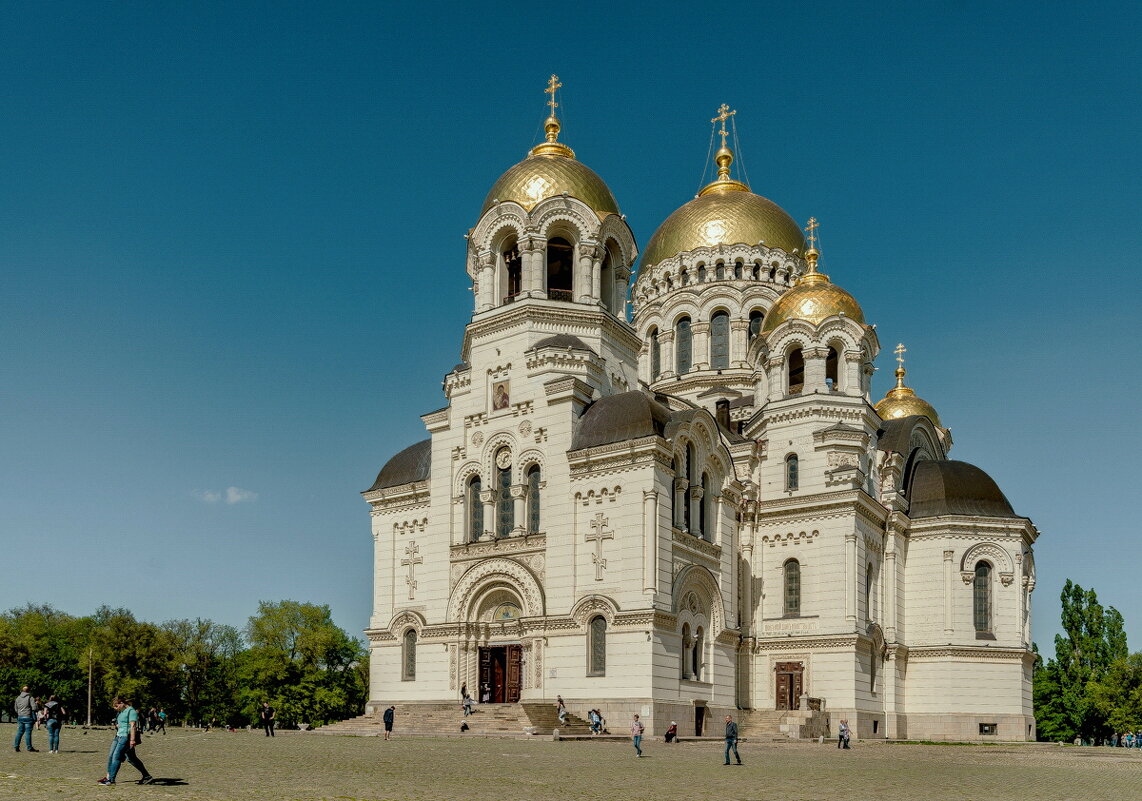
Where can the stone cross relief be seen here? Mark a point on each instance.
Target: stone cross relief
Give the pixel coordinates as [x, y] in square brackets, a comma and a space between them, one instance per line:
[599, 533]
[412, 559]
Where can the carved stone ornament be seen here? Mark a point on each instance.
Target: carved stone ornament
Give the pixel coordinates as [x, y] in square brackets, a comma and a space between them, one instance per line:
[504, 459]
[525, 428]
[478, 438]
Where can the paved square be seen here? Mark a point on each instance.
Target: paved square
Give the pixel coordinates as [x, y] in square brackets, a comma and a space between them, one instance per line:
[310, 767]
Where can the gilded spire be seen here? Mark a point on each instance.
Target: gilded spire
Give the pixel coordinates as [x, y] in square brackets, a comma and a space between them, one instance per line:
[900, 371]
[724, 158]
[811, 275]
[551, 126]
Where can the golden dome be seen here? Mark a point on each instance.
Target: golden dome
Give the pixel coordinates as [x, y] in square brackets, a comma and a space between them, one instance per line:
[725, 212]
[814, 299]
[550, 169]
[540, 176]
[902, 401]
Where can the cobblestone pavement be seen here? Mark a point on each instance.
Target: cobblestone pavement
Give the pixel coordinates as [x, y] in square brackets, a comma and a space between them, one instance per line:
[193, 765]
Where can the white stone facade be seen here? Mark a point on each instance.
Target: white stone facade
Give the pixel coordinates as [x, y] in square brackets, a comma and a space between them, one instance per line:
[674, 565]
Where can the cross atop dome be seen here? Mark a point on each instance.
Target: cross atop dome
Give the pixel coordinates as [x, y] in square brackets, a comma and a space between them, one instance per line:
[551, 126]
[724, 113]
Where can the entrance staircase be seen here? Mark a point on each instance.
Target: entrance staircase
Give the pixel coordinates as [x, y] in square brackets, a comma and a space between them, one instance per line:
[488, 720]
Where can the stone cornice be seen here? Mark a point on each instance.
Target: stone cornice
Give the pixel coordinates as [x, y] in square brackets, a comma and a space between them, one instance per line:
[693, 546]
[619, 456]
[779, 511]
[975, 654]
[484, 549]
[554, 317]
[402, 496]
[794, 643]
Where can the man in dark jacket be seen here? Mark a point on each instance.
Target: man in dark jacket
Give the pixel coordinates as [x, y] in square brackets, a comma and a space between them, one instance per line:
[732, 739]
[390, 713]
[26, 709]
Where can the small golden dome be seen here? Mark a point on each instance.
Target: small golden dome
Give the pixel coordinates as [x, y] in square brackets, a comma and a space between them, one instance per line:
[550, 169]
[902, 401]
[814, 299]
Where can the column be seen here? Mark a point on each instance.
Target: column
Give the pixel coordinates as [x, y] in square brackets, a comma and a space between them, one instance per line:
[701, 333]
[583, 283]
[696, 493]
[486, 282]
[814, 369]
[774, 368]
[519, 511]
[666, 342]
[488, 502]
[948, 588]
[889, 583]
[649, 540]
[680, 487]
[850, 576]
[533, 256]
[850, 381]
[739, 343]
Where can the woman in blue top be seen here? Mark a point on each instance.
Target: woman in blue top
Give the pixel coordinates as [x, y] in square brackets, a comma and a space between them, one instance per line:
[123, 746]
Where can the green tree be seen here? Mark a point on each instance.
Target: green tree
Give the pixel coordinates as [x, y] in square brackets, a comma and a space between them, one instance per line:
[206, 656]
[1094, 640]
[303, 664]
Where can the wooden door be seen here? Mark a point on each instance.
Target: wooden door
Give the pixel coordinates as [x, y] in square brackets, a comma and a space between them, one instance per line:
[789, 684]
[513, 683]
[485, 672]
[699, 720]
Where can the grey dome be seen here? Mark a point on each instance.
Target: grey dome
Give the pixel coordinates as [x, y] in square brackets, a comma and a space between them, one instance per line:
[955, 488]
[412, 464]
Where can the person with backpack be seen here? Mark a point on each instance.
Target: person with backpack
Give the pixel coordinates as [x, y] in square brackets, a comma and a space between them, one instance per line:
[55, 716]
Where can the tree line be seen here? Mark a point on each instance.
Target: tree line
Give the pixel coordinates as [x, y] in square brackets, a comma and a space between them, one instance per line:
[290, 654]
[1092, 688]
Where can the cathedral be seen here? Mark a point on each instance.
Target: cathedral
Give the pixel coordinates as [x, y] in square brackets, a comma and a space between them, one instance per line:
[690, 506]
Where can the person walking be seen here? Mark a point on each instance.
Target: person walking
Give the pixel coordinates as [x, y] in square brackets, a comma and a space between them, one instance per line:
[561, 709]
[636, 730]
[732, 739]
[268, 714]
[843, 735]
[56, 714]
[25, 708]
[388, 717]
[123, 746]
[162, 718]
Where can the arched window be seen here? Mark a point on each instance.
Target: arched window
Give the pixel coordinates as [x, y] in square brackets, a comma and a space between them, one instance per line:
[831, 369]
[607, 283]
[691, 479]
[655, 355]
[720, 340]
[796, 371]
[514, 266]
[696, 655]
[505, 505]
[706, 510]
[737, 270]
[533, 499]
[868, 592]
[720, 272]
[687, 649]
[408, 673]
[792, 479]
[981, 592]
[597, 648]
[792, 607]
[560, 269]
[475, 510]
[755, 318]
[683, 344]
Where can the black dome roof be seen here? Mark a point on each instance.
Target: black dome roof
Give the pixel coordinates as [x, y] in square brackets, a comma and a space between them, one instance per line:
[618, 418]
[411, 464]
[955, 488]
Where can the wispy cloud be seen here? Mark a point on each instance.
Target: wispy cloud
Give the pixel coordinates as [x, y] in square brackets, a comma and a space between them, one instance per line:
[231, 495]
[238, 495]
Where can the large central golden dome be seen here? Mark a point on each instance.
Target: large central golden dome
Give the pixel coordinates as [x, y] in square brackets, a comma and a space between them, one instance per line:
[550, 169]
[725, 216]
[724, 213]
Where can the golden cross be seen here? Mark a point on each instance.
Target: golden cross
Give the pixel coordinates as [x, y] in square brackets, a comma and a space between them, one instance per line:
[552, 85]
[811, 229]
[900, 351]
[724, 114]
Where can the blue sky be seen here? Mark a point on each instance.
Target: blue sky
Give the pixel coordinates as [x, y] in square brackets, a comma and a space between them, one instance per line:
[232, 255]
